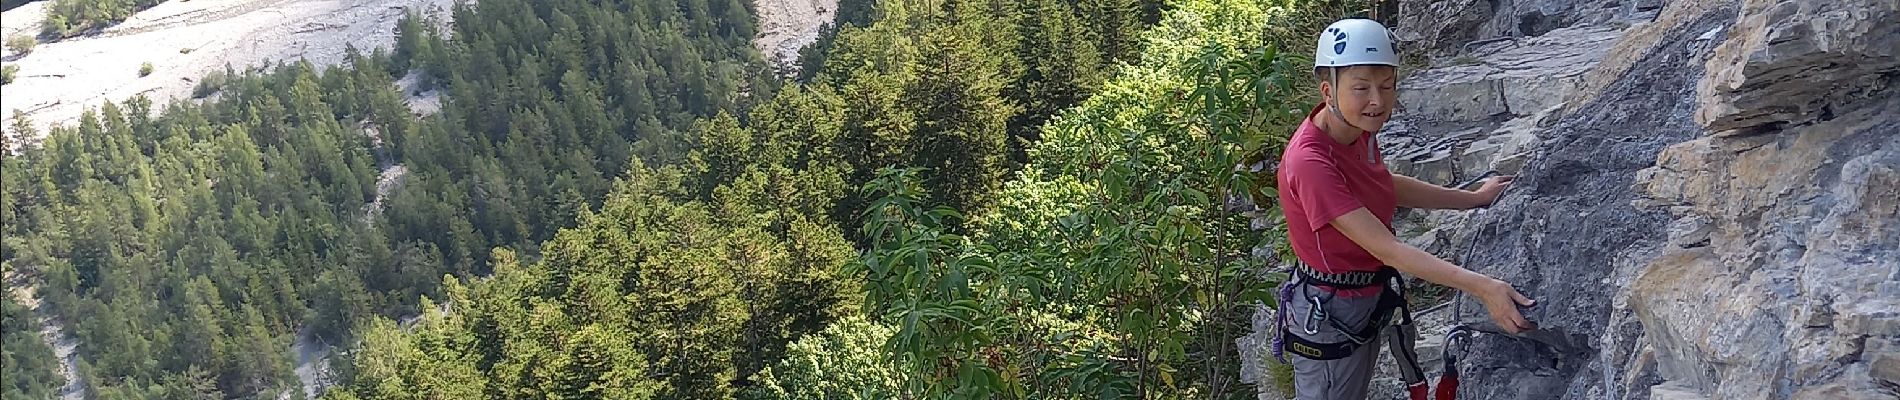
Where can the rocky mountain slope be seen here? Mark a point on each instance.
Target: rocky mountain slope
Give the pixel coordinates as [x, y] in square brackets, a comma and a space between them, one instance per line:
[786, 26]
[1708, 194]
[183, 41]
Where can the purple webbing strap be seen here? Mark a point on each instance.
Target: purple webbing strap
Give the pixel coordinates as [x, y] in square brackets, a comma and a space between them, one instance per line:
[1279, 322]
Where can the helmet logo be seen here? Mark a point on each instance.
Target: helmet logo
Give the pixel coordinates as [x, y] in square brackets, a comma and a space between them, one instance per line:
[1339, 40]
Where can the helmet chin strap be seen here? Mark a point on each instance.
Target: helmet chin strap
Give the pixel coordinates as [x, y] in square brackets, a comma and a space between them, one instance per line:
[1333, 103]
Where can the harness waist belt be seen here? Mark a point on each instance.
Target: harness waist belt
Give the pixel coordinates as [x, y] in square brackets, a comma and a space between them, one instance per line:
[1345, 280]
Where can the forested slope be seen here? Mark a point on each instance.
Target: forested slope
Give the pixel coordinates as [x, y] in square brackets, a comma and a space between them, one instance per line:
[618, 199]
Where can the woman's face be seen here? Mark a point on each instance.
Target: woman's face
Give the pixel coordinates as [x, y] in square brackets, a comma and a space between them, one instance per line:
[1365, 95]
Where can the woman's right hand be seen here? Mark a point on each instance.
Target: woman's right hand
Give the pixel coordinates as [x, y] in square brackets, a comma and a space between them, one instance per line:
[1502, 301]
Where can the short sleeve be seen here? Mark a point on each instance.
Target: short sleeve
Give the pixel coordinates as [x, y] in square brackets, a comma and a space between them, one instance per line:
[1321, 190]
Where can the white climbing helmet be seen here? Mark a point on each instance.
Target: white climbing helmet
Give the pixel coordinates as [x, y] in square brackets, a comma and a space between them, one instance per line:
[1355, 42]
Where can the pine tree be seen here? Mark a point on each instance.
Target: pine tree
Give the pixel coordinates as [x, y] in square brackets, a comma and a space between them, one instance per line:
[962, 118]
[409, 41]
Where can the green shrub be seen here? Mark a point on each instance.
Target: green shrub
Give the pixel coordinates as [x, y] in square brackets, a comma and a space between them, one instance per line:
[145, 69]
[7, 72]
[845, 361]
[211, 83]
[55, 25]
[21, 43]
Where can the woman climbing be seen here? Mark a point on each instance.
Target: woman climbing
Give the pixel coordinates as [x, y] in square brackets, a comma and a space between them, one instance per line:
[1339, 198]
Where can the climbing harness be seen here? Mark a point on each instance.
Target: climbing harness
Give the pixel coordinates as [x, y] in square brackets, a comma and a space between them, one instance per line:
[1391, 304]
[1389, 301]
[1390, 312]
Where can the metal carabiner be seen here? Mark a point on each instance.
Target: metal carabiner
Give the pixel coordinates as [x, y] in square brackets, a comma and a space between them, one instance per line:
[1315, 315]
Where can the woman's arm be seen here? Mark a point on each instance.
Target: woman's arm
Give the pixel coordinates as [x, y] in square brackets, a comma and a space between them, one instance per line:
[1414, 193]
[1498, 297]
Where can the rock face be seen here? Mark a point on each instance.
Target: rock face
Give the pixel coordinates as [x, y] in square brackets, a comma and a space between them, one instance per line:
[1789, 269]
[1482, 112]
[1799, 61]
[1442, 28]
[1708, 193]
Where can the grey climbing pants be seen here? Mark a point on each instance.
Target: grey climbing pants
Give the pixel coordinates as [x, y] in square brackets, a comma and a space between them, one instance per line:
[1345, 378]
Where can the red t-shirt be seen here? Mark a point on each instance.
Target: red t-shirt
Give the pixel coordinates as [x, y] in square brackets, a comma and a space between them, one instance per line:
[1321, 179]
